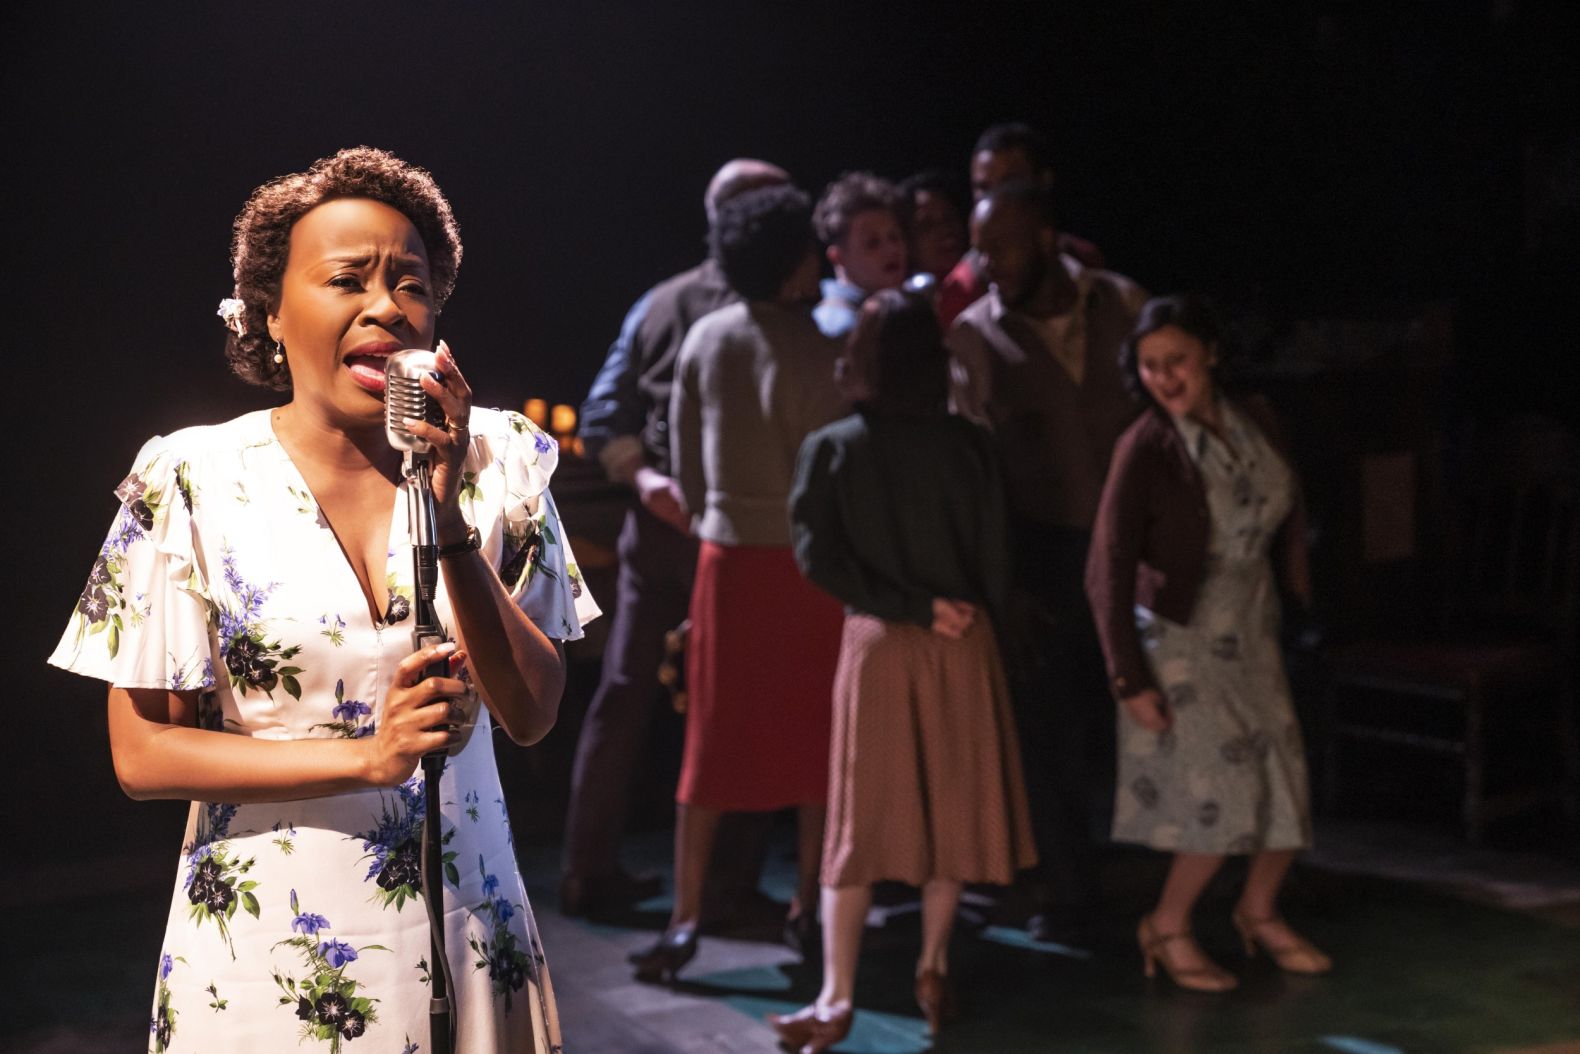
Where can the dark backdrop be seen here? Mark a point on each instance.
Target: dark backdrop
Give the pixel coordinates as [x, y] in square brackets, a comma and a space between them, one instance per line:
[1318, 158]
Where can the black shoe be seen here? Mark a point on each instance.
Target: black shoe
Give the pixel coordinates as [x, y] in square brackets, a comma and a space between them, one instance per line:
[1062, 924]
[661, 962]
[600, 895]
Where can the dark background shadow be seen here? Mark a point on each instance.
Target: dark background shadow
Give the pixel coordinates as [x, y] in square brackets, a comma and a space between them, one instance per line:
[1308, 159]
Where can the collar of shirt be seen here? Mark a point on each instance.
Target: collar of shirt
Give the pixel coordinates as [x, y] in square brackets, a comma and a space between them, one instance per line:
[1063, 335]
[835, 289]
[1083, 284]
[1194, 433]
[1197, 437]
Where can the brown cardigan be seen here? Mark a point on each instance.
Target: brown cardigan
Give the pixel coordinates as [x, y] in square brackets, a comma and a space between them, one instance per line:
[1149, 545]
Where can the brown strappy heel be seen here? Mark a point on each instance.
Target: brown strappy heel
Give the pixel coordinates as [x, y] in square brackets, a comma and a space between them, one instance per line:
[1296, 956]
[812, 1029]
[935, 997]
[1154, 950]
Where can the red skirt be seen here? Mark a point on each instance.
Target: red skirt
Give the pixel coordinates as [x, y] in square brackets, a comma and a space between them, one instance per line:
[760, 665]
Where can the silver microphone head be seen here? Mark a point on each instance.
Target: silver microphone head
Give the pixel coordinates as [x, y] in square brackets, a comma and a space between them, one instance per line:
[405, 400]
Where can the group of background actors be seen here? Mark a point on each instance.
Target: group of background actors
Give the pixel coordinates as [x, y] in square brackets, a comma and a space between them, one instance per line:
[1015, 463]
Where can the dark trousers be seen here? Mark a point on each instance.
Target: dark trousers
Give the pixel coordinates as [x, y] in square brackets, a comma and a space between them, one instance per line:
[656, 567]
[652, 596]
[1063, 709]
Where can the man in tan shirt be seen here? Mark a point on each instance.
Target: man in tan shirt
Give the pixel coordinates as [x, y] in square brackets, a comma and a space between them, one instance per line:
[1036, 361]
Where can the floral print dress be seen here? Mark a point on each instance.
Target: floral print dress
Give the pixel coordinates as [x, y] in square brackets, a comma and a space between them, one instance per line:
[300, 924]
[1230, 775]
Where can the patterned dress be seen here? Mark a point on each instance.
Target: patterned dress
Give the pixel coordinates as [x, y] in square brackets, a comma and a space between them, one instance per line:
[1230, 775]
[299, 925]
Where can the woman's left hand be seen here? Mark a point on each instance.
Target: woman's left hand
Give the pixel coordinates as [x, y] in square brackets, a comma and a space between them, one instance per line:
[1150, 709]
[450, 442]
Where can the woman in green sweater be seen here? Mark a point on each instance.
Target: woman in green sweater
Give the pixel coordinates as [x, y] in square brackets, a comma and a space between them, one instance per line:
[898, 512]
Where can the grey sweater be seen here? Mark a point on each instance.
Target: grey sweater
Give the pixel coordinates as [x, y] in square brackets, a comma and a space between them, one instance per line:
[753, 379]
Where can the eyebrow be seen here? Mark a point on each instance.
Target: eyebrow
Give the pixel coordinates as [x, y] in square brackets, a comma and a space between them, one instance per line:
[363, 259]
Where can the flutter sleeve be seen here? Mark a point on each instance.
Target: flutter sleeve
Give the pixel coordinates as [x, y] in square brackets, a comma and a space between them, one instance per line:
[536, 563]
[142, 620]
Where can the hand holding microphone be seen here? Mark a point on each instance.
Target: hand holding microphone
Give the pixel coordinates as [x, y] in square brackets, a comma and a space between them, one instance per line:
[428, 405]
[422, 715]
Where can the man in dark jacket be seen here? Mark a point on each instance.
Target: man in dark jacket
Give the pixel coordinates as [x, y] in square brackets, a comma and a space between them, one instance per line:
[625, 425]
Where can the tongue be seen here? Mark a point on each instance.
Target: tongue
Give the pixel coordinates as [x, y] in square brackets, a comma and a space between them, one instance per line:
[367, 368]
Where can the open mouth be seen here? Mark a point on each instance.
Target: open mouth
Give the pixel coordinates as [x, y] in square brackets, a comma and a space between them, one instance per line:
[366, 365]
[368, 371]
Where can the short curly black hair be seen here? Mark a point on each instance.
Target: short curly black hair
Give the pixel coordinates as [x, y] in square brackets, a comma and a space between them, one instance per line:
[1191, 312]
[1017, 136]
[760, 237]
[262, 241]
[940, 181]
[847, 197]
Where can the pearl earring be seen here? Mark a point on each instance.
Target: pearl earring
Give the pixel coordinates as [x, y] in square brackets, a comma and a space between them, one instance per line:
[279, 353]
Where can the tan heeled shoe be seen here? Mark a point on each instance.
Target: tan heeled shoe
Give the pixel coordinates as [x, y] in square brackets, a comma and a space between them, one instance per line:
[812, 1030]
[1154, 950]
[935, 996]
[1296, 955]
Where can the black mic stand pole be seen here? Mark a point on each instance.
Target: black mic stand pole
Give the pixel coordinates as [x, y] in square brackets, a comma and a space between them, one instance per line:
[426, 632]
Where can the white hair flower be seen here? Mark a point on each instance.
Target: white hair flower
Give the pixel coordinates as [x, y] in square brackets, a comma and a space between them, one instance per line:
[234, 312]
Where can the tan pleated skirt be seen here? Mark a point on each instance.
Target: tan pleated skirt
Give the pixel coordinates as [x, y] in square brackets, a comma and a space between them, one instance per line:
[924, 768]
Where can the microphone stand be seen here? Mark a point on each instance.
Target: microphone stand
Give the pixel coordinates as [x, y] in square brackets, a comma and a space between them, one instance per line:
[426, 631]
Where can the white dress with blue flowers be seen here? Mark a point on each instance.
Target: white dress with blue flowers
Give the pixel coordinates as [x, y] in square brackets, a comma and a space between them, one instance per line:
[300, 924]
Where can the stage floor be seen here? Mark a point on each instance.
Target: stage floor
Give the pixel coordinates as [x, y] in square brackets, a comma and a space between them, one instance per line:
[1430, 961]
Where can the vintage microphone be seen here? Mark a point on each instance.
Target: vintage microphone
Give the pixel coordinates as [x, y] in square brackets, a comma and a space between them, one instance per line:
[404, 400]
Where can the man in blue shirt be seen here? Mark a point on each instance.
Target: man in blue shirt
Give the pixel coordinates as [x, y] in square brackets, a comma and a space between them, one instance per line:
[858, 221]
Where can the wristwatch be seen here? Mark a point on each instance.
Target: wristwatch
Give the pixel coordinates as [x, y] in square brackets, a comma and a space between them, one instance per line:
[471, 543]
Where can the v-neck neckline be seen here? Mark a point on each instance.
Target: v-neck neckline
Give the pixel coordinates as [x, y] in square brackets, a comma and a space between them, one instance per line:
[377, 610]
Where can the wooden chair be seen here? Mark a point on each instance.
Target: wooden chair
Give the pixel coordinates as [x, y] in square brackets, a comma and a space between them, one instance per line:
[1494, 690]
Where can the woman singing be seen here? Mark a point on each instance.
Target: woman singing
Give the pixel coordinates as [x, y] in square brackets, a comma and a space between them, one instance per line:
[251, 611]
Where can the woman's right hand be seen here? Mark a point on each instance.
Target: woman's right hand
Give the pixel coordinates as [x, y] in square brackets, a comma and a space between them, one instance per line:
[417, 716]
[1150, 710]
[952, 618]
